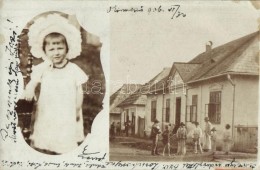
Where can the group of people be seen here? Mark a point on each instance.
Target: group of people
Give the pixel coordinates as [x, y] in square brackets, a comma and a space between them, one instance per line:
[115, 129]
[209, 141]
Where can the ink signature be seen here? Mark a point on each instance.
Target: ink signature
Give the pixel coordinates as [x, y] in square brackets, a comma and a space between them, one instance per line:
[91, 156]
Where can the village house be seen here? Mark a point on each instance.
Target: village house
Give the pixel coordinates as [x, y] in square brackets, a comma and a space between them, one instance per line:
[133, 111]
[133, 107]
[220, 83]
[166, 100]
[225, 88]
[116, 98]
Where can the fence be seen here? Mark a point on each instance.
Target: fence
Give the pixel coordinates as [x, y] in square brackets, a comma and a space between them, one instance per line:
[245, 138]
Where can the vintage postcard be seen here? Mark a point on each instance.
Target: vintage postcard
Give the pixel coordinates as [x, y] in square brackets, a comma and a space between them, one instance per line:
[129, 84]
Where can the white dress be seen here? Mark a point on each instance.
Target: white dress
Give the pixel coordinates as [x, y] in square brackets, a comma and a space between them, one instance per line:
[55, 127]
[227, 140]
[207, 136]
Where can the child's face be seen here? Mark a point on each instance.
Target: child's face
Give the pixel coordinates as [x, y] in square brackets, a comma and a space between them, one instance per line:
[55, 49]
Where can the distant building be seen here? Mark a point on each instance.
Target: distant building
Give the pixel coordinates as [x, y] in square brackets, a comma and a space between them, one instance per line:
[120, 95]
[133, 112]
[133, 107]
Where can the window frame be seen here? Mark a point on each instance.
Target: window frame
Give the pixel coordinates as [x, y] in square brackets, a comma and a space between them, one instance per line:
[214, 107]
[153, 110]
[167, 110]
[192, 110]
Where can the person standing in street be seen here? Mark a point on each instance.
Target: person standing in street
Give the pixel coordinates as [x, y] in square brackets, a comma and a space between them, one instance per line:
[166, 140]
[118, 129]
[197, 134]
[213, 140]
[181, 136]
[207, 135]
[112, 130]
[126, 128]
[155, 131]
[227, 139]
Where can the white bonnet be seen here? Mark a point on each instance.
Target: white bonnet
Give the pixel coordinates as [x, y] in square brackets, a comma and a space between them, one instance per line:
[49, 24]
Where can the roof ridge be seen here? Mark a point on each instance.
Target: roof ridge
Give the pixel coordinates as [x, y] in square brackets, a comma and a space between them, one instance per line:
[157, 75]
[185, 73]
[185, 63]
[130, 97]
[249, 36]
[130, 84]
[233, 51]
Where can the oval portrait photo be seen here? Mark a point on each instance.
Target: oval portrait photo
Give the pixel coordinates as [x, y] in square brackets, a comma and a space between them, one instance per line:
[64, 83]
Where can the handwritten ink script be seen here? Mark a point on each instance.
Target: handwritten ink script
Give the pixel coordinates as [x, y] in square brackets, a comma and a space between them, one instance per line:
[174, 10]
[17, 164]
[11, 51]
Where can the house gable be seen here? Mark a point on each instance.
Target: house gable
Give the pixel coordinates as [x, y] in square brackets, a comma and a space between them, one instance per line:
[176, 80]
[182, 73]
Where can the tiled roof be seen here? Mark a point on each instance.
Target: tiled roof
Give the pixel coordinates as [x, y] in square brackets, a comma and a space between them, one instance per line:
[160, 85]
[222, 50]
[135, 99]
[115, 110]
[185, 70]
[139, 97]
[238, 56]
[159, 82]
[164, 73]
[120, 95]
[248, 61]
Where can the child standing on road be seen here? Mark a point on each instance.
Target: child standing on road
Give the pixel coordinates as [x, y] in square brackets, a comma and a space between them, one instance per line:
[166, 140]
[181, 136]
[197, 134]
[227, 139]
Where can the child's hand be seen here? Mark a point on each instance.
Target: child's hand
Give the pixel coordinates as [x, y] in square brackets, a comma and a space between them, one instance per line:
[29, 92]
[78, 114]
[77, 118]
[28, 95]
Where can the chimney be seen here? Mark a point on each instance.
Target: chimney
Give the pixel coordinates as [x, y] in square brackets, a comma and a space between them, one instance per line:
[209, 46]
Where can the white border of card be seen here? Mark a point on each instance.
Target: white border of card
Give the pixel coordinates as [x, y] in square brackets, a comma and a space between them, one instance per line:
[144, 43]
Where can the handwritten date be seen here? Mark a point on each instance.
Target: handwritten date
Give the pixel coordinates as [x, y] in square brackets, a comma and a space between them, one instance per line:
[175, 10]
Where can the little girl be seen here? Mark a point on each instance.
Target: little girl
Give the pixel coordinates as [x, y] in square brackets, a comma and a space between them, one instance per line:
[58, 124]
[227, 139]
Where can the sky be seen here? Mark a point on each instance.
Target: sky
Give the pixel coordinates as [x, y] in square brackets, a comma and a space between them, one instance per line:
[143, 44]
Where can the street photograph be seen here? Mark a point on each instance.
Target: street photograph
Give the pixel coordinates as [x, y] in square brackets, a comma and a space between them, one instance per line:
[186, 90]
